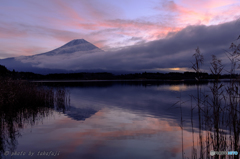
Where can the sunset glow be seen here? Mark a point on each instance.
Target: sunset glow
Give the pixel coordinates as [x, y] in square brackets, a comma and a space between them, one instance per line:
[40, 26]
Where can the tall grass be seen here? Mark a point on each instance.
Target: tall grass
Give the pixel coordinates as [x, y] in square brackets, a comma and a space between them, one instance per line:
[218, 109]
[23, 103]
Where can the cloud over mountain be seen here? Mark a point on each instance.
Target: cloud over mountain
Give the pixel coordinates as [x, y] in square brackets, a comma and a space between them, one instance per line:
[174, 51]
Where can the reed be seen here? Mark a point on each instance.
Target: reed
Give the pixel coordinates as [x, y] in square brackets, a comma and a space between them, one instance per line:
[218, 109]
[23, 103]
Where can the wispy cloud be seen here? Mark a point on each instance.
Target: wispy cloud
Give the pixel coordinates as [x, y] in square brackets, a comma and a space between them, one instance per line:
[201, 12]
[173, 53]
[109, 25]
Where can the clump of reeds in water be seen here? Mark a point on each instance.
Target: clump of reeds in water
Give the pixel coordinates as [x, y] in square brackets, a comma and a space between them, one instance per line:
[218, 110]
[17, 93]
[23, 103]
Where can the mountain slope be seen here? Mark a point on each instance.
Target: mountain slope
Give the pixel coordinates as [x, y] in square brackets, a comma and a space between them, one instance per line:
[77, 45]
[56, 61]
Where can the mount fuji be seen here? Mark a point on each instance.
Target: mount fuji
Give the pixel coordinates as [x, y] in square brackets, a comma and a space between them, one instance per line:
[61, 60]
[78, 46]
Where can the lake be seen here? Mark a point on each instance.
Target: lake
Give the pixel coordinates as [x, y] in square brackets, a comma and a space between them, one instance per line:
[115, 120]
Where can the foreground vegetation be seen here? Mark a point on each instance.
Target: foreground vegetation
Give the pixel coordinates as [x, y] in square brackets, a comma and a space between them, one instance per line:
[23, 103]
[218, 110]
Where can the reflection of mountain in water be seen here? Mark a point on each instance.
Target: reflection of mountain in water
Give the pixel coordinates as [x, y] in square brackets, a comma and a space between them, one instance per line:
[79, 113]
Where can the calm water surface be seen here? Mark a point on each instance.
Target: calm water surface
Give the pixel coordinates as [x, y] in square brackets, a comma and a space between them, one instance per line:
[114, 121]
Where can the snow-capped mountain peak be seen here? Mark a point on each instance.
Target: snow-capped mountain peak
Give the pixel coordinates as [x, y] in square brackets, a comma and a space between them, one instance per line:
[76, 42]
[80, 45]
[65, 57]
[77, 45]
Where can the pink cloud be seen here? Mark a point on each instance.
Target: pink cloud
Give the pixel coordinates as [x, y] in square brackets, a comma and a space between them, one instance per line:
[204, 12]
[207, 4]
[64, 7]
[106, 25]
[9, 31]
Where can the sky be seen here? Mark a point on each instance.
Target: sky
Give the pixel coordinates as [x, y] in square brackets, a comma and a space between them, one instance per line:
[174, 28]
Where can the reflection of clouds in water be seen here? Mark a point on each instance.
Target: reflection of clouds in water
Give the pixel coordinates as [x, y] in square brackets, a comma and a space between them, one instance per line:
[118, 130]
[115, 122]
[177, 88]
[118, 121]
[146, 101]
[126, 119]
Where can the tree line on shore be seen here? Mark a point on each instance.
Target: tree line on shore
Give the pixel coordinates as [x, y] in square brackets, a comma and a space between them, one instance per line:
[4, 72]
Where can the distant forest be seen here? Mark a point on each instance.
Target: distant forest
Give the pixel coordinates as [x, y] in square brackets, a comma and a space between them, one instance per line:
[4, 72]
